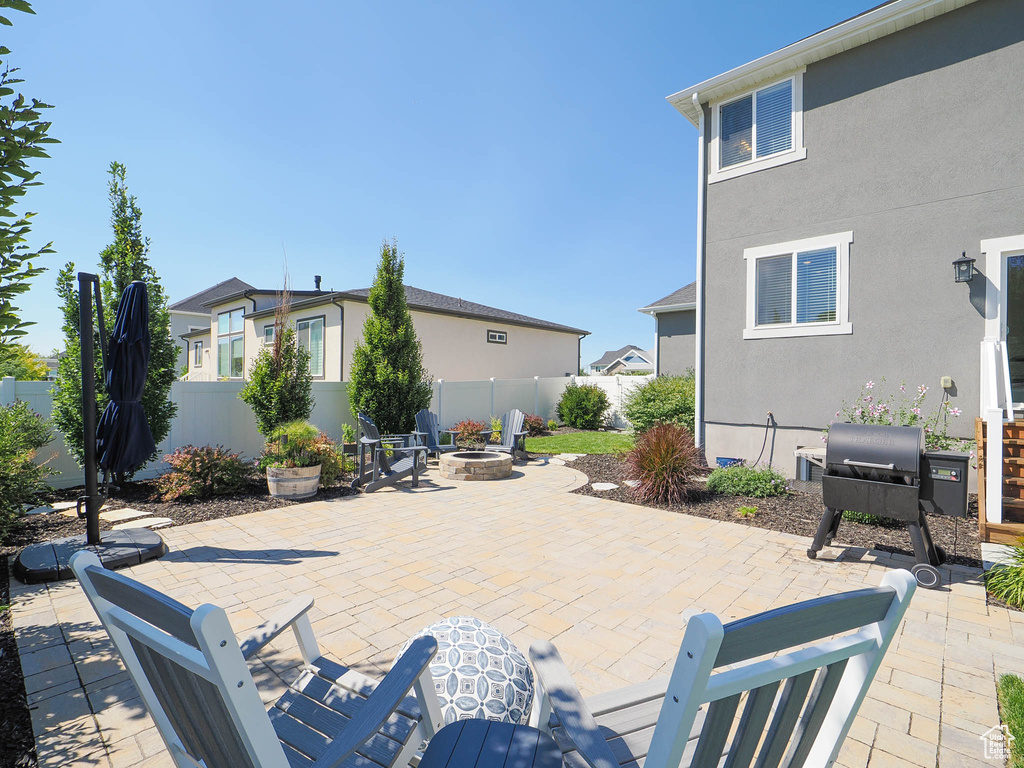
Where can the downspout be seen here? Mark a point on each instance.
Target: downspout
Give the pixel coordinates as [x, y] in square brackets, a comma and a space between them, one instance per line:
[698, 405]
[579, 356]
[341, 361]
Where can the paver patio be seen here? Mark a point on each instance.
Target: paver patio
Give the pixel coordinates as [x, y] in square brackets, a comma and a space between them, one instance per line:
[612, 584]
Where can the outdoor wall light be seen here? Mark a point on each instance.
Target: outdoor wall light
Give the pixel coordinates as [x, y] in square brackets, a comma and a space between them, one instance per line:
[963, 269]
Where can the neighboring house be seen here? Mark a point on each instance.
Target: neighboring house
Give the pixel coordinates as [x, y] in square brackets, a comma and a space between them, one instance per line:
[190, 321]
[629, 359]
[675, 330]
[461, 340]
[838, 178]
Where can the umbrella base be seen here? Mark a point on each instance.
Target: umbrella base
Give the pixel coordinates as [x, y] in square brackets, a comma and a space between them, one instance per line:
[49, 560]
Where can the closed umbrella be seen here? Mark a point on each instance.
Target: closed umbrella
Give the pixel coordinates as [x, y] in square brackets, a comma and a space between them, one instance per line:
[123, 438]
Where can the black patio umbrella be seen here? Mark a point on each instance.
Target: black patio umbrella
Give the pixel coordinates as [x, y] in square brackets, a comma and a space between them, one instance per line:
[123, 438]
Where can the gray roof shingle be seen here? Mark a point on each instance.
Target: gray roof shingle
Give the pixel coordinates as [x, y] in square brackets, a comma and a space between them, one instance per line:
[685, 295]
[199, 302]
[417, 298]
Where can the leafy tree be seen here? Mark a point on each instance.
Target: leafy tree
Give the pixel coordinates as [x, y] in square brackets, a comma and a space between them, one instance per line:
[22, 363]
[121, 262]
[388, 381]
[23, 136]
[280, 385]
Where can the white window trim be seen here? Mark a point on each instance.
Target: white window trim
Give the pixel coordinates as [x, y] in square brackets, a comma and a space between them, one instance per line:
[798, 152]
[841, 325]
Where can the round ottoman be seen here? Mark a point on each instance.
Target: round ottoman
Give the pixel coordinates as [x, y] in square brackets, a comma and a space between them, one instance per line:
[478, 672]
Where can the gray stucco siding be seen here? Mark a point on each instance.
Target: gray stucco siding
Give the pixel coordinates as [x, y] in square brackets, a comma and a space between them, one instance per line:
[676, 341]
[913, 144]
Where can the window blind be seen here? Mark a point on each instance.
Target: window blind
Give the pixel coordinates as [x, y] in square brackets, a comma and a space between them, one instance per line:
[737, 131]
[775, 119]
[775, 290]
[316, 347]
[816, 286]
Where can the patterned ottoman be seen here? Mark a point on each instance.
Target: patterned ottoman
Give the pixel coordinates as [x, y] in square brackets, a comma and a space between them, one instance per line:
[478, 672]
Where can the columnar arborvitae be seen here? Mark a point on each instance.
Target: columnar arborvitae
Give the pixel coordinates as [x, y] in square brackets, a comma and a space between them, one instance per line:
[387, 380]
[121, 262]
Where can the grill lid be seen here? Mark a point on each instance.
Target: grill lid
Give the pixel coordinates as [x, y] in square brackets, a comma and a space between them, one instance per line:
[868, 446]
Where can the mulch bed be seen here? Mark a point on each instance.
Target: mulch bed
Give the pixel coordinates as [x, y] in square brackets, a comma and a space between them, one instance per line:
[143, 497]
[17, 745]
[796, 513]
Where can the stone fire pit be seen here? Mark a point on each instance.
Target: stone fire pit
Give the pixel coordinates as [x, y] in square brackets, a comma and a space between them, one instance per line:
[475, 465]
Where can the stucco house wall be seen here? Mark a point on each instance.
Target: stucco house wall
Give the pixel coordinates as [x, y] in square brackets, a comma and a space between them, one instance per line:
[677, 334]
[456, 348]
[183, 322]
[913, 145]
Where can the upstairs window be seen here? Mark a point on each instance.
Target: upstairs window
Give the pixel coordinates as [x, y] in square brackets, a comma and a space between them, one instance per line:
[268, 335]
[497, 337]
[759, 129]
[230, 344]
[310, 335]
[800, 288]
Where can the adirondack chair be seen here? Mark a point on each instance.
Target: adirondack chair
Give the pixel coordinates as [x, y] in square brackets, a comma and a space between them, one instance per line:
[513, 436]
[192, 675]
[407, 459]
[428, 432]
[799, 705]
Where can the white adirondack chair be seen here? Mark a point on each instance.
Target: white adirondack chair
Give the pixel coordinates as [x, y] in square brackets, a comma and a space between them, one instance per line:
[192, 675]
[798, 708]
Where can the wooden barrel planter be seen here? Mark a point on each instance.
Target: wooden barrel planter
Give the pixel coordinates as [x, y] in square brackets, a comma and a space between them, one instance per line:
[293, 482]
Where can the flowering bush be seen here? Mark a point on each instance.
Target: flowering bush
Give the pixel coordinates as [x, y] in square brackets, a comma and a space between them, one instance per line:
[469, 431]
[534, 424]
[874, 407]
[200, 472]
[741, 480]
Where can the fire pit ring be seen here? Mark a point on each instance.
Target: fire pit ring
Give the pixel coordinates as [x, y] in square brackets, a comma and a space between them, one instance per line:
[475, 465]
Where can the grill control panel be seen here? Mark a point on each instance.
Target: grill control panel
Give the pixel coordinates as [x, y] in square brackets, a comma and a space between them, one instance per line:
[944, 483]
[949, 474]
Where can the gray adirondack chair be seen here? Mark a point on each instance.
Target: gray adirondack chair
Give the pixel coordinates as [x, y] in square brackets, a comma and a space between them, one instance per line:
[407, 459]
[798, 708]
[429, 433]
[192, 675]
[513, 436]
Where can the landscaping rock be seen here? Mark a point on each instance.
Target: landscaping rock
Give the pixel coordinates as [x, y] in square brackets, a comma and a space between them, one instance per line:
[146, 522]
[604, 486]
[120, 515]
[44, 510]
[631, 483]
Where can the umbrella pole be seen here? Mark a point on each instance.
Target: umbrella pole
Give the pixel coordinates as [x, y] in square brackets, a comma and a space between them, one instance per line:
[92, 499]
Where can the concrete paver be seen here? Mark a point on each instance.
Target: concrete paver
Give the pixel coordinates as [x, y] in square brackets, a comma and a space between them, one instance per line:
[611, 584]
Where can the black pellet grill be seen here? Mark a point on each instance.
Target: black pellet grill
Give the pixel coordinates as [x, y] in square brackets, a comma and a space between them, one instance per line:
[885, 471]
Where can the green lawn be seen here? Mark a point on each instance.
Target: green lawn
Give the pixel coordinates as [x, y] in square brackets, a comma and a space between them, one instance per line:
[580, 442]
[1011, 710]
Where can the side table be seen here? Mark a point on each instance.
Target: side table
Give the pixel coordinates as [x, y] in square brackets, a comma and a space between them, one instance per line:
[489, 744]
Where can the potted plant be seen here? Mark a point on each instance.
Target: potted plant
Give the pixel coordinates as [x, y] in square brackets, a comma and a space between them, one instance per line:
[297, 458]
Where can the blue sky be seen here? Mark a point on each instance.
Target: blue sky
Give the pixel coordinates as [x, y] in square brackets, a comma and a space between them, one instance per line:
[523, 154]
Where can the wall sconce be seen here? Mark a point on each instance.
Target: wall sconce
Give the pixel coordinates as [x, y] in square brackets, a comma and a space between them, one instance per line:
[963, 269]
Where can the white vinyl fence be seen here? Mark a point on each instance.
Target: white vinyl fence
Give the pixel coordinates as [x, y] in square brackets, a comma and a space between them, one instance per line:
[210, 413]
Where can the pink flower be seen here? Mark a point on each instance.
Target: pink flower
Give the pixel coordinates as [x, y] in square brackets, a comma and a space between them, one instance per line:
[824, 438]
[837, 414]
[955, 411]
[903, 387]
[916, 411]
[869, 385]
[922, 389]
[857, 411]
[868, 399]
